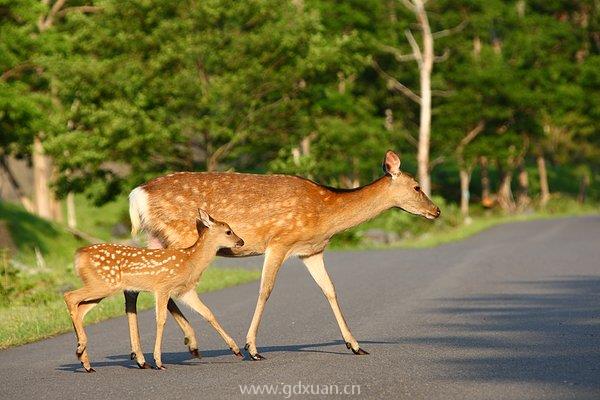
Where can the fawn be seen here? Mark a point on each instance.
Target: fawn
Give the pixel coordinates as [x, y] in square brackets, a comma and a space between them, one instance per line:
[279, 215]
[106, 269]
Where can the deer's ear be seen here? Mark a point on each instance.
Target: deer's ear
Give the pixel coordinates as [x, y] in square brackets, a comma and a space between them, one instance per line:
[391, 163]
[204, 218]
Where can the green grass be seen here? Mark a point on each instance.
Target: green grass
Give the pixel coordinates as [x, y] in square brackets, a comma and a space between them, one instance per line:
[31, 302]
[99, 221]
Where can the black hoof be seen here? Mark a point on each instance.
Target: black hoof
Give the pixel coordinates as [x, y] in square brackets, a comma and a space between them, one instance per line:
[253, 357]
[238, 354]
[256, 357]
[145, 365]
[90, 370]
[161, 368]
[359, 352]
[195, 353]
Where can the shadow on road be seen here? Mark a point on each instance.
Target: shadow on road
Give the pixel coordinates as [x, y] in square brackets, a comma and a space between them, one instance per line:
[184, 357]
[546, 331]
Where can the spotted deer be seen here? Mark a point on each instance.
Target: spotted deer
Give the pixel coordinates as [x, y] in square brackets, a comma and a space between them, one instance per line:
[278, 215]
[106, 269]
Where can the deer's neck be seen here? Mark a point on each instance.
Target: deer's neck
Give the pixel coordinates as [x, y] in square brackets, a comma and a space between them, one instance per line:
[346, 209]
[201, 254]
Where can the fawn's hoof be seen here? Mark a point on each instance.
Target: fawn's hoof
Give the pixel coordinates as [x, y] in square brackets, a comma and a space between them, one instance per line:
[238, 353]
[89, 370]
[359, 352]
[145, 365]
[195, 353]
[160, 368]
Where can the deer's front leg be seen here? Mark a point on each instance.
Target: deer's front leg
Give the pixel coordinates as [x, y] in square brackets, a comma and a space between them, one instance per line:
[191, 299]
[316, 267]
[189, 336]
[273, 260]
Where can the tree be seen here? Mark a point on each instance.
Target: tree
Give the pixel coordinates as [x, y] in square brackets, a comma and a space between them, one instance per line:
[155, 86]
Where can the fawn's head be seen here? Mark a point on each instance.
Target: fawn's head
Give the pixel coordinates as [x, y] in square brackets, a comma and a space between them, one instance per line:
[219, 231]
[405, 191]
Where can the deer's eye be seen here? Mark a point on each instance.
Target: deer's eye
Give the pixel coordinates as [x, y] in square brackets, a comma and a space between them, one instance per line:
[417, 188]
[228, 233]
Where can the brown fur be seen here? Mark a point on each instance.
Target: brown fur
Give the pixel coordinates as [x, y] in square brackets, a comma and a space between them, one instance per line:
[107, 268]
[278, 215]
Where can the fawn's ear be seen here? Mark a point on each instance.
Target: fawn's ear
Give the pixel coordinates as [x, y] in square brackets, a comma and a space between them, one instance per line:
[204, 218]
[391, 163]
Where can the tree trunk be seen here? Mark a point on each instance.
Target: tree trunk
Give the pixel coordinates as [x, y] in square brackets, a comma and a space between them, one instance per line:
[41, 174]
[505, 196]
[465, 179]
[71, 215]
[425, 68]
[486, 198]
[523, 199]
[544, 188]
[583, 185]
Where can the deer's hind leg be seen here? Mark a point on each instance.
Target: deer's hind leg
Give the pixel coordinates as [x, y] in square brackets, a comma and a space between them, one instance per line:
[80, 302]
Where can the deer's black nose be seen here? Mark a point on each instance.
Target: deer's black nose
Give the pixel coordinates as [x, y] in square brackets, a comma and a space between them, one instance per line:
[437, 211]
[240, 243]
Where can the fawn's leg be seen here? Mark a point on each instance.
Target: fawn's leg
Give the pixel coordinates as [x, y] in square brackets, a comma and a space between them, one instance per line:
[186, 328]
[131, 309]
[317, 270]
[273, 260]
[161, 317]
[77, 311]
[134, 335]
[191, 299]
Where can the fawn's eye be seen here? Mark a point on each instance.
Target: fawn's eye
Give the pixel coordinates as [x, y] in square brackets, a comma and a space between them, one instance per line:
[228, 233]
[417, 188]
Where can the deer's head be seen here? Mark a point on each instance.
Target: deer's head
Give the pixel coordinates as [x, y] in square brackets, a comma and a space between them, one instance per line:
[405, 191]
[219, 231]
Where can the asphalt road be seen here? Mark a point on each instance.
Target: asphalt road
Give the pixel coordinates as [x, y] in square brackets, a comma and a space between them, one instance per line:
[512, 313]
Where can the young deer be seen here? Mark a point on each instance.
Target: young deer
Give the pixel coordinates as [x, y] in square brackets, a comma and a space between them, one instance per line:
[279, 215]
[108, 268]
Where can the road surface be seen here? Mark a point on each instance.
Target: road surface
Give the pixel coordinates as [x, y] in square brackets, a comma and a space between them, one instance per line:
[512, 313]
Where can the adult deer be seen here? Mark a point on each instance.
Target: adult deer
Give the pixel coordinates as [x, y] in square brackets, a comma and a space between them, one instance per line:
[277, 215]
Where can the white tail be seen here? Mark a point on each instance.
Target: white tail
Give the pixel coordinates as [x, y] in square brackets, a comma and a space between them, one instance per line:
[138, 209]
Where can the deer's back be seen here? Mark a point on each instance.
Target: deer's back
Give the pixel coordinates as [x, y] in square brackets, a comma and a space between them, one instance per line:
[259, 208]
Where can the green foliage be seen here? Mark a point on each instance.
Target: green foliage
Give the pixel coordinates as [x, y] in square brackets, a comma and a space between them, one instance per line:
[140, 88]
